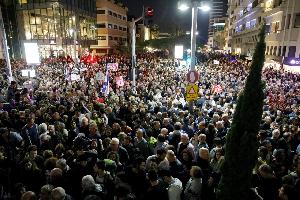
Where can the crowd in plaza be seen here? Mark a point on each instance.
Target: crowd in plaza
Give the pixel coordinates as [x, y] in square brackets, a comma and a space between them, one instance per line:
[66, 139]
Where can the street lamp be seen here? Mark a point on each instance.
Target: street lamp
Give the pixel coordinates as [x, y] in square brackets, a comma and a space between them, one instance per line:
[183, 5]
[203, 5]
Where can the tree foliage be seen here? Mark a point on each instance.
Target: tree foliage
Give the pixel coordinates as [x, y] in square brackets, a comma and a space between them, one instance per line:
[241, 145]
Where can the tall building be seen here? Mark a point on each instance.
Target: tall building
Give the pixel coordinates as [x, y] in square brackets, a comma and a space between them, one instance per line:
[57, 25]
[218, 10]
[282, 20]
[112, 26]
[9, 17]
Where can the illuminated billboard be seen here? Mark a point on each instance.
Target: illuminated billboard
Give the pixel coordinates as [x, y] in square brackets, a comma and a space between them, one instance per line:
[32, 53]
[178, 51]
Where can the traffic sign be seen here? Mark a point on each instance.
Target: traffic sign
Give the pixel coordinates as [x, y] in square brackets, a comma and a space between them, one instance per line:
[192, 76]
[192, 92]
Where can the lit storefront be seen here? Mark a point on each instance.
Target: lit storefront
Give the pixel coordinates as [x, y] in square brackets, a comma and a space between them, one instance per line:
[56, 25]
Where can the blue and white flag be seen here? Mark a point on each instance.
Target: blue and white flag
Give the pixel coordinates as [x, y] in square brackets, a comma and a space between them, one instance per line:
[105, 86]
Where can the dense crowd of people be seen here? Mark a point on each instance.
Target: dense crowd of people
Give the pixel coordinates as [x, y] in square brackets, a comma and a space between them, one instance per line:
[66, 139]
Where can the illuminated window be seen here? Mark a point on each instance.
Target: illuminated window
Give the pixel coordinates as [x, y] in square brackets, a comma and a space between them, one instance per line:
[248, 25]
[109, 26]
[252, 23]
[269, 4]
[275, 27]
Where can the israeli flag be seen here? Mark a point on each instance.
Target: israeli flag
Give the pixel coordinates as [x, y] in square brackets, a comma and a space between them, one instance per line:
[105, 86]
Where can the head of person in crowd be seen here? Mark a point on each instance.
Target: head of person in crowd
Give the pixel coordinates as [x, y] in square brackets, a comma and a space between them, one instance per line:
[58, 193]
[139, 134]
[171, 156]
[114, 144]
[29, 195]
[46, 192]
[196, 172]
[89, 185]
[184, 138]
[204, 153]
[164, 131]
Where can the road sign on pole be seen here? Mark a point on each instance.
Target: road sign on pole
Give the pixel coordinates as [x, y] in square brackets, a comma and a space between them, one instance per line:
[192, 76]
[192, 92]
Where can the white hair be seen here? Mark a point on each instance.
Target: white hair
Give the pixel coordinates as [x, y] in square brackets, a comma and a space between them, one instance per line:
[116, 140]
[88, 183]
[184, 135]
[42, 128]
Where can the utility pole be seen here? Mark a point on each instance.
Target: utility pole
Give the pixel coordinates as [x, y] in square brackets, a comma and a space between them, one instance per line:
[133, 56]
[193, 33]
[4, 44]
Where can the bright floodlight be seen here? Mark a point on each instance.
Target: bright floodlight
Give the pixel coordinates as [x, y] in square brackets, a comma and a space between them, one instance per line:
[32, 53]
[179, 51]
[183, 5]
[205, 8]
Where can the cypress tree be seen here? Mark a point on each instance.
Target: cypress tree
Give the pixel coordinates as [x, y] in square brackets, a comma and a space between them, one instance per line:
[241, 145]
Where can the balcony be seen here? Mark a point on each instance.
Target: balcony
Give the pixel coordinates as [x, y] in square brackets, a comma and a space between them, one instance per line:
[293, 37]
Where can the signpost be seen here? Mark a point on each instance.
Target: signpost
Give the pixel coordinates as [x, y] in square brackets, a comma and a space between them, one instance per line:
[192, 92]
[192, 76]
[192, 89]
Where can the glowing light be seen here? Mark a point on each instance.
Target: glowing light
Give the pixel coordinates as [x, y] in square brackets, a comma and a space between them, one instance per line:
[32, 53]
[205, 8]
[183, 7]
[179, 51]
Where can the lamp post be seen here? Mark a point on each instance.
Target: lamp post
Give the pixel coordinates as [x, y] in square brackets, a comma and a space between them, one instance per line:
[133, 53]
[195, 4]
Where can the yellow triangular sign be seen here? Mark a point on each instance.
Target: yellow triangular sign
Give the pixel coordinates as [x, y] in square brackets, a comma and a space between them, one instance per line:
[192, 91]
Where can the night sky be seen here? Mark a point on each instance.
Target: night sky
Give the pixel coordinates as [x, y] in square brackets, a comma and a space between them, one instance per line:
[167, 16]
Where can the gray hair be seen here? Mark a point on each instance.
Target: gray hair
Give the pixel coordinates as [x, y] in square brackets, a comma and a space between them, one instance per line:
[42, 128]
[58, 193]
[62, 163]
[88, 183]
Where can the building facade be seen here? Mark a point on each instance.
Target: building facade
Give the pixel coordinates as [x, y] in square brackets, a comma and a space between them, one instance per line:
[9, 18]
[57, 25]
[218, 11]
[112, 26]
[282, 18]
